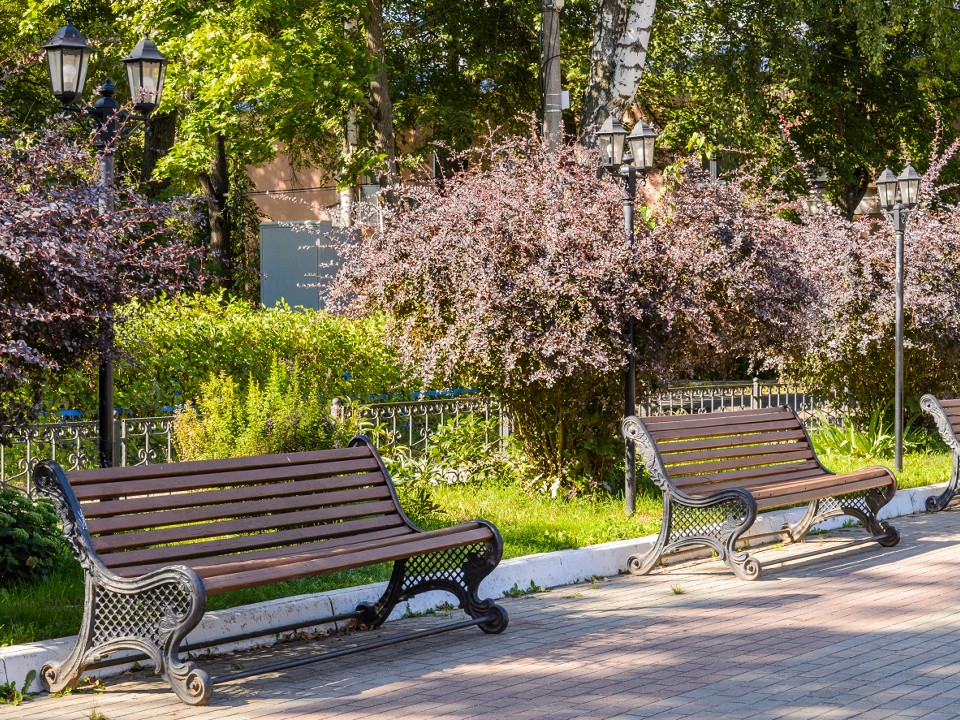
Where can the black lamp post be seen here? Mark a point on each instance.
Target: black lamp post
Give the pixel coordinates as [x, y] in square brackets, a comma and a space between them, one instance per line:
[68, 57]
[898, 197]
[612, 137]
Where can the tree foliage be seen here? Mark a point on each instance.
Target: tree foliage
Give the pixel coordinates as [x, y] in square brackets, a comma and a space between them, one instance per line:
[847, 336]
[851, 77]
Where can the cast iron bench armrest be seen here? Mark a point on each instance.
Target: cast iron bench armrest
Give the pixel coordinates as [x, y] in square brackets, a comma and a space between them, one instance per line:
[154, 541]
[946, 415]
[716, 470]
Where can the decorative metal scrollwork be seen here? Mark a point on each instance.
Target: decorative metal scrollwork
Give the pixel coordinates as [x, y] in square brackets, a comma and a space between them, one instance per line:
[932, 406]
[151, 614]
[458, 571]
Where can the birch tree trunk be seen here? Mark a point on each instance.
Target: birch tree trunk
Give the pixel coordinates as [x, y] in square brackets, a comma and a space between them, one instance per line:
[620, 40]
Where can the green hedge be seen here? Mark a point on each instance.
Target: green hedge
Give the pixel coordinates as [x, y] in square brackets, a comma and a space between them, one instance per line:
[172, 346]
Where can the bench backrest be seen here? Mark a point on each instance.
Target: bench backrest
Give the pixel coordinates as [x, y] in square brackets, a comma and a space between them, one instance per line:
[177, 512]
[713, 451]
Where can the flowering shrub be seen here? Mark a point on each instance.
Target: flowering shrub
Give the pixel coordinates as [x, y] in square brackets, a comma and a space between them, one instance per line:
[516, 274]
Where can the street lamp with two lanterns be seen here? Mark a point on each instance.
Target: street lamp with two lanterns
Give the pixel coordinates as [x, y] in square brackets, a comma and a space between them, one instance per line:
[68, 59]
[898, 198]
[613, 139]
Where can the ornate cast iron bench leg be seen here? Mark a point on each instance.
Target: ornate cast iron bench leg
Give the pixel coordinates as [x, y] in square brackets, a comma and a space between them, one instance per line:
[863, 506]
[716, 521]
[150, 614]
[457, 570]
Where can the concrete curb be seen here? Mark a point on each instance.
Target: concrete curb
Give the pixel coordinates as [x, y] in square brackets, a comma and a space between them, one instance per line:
[544, 570]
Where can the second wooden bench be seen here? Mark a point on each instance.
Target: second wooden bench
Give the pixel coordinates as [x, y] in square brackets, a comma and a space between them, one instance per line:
[716, 470]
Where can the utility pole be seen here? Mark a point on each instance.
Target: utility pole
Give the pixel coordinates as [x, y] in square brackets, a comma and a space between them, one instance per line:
[550, 72]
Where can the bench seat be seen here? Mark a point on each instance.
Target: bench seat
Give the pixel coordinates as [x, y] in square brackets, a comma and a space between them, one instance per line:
[717, 470]
[155, 540]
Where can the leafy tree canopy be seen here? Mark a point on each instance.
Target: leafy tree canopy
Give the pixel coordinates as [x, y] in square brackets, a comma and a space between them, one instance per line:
[852, 78]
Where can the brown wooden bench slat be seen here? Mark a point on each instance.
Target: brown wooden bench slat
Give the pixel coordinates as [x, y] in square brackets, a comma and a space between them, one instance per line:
[740, 463]
[211, 467]
[704, 428]
[227, 564]
[210, 563]
[247, 508]
[734, 452]
[130, 540]
[169, 554]
[667, 448]
[771, 488]
[715, 486]
[807, 495]
[199, 498]
[714, 419]
[744, 476]
[167, 484]
[309, 568]
[724, 430]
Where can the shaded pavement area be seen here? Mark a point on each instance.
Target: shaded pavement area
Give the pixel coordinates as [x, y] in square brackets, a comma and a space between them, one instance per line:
[868, 633]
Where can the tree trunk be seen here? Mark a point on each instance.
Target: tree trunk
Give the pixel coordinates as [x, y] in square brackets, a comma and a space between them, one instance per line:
[620, 40]
[216, 188]
[159, 136]
[381, 109]
[551, 79]
[348, 186]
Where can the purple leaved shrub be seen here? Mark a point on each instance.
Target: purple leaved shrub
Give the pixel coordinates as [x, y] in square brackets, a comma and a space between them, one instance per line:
[64, 266]
[516, 275]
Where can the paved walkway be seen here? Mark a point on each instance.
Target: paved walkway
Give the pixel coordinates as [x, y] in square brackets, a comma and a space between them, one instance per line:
[868, 633]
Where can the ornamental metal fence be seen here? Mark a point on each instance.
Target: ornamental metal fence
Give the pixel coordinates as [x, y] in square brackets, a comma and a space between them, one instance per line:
[75, 445]
[705, 397]
[410, 427]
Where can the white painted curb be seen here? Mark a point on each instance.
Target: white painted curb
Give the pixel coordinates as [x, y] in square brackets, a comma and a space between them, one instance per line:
[543, 570]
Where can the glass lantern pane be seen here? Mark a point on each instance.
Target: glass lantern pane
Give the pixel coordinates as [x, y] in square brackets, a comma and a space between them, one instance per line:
[648, 148]
[151, 71]
[133, 81]
[84, 63]
[888, 194]
[618, 142]
[55, 60]
[912, 193]
[72, 66]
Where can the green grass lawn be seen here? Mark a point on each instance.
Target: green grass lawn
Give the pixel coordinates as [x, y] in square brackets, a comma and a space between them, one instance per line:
[529, 523]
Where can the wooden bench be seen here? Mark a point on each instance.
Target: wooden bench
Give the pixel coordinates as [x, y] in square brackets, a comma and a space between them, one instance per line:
[716, 470]
[946, 414]
[155, 540]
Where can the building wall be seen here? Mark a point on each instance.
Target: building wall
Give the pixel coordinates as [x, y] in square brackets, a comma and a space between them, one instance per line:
[284, 194]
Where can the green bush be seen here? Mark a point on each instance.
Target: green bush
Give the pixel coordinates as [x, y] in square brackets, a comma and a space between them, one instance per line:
[281, 416]
[873, 440]
[30, 540]
[171, 346]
